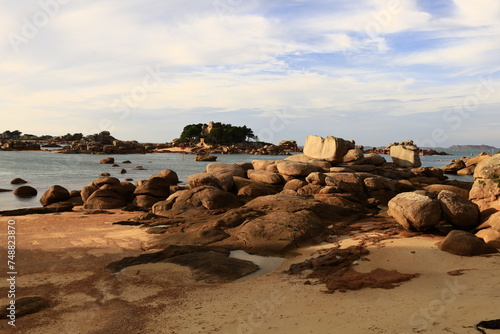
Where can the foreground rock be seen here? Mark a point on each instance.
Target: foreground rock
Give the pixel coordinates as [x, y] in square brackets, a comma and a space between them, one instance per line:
[465, 244]
[208, 264]
[415, 211]
[486, 189]
[54, 194]
[459, 211]
[104, 193]
[265, 225]
[405, 154]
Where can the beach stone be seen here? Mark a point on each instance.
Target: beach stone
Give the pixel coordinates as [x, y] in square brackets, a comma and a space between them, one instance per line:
[465, 244]
[100, 181]
[309, 190]
[123, 171]
[126, 162]
[18, 180]
[25, 191]
[381, 188]
[245, 165]
[374, 159]
[5, 190]
[204, 197]
[272, 168]
[415, 211]
[294, 184]
[467, 171]
[492, 221]
[221, 180]
[437, 188]
[459, 211]
[331, 149]
[490, 236]
[316, 178]
[347, 182]
[128, 189]
[249, 189]
[405, 155]
[107, 161]
[54, 194]
[156, 187]
[295, 168]
[169, 175]
[262, 164]
[145, 201]
[219, 167]
[87, 191]
[102, 199]
[75, 198]
[264, 176]
[354, 156]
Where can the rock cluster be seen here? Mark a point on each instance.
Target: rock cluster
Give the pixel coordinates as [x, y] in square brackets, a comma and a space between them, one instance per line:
[19, 145]
[476, 211]
[465, 166]
[104, 143]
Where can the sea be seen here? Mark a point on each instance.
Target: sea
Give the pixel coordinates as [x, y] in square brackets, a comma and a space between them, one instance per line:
[74, 171]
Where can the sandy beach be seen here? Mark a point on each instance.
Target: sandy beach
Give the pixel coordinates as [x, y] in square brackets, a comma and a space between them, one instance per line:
[62, 258]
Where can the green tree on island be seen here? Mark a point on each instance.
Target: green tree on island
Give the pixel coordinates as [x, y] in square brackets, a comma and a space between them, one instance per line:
[221, 134]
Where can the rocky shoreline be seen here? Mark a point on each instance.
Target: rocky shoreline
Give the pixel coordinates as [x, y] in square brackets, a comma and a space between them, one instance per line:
[334, 199]
[333, 181]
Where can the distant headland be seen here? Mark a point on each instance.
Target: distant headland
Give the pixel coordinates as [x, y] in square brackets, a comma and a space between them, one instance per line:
[472, 147]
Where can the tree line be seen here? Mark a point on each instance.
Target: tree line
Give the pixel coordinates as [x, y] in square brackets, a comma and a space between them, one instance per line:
[220, 134]
[16, 134]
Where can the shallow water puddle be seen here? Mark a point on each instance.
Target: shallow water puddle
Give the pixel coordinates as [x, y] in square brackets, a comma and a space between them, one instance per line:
[267, 264]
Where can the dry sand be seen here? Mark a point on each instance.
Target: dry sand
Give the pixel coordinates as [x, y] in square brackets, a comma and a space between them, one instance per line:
[62, 257]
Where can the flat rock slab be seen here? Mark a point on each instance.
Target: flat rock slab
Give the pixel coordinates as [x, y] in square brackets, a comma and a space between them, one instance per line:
[63, 207]
[208, 264]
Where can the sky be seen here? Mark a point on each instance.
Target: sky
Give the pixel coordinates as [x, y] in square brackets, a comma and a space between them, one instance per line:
[373, 71]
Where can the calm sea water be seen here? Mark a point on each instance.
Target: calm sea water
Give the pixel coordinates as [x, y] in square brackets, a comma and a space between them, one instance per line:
[44, 169]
